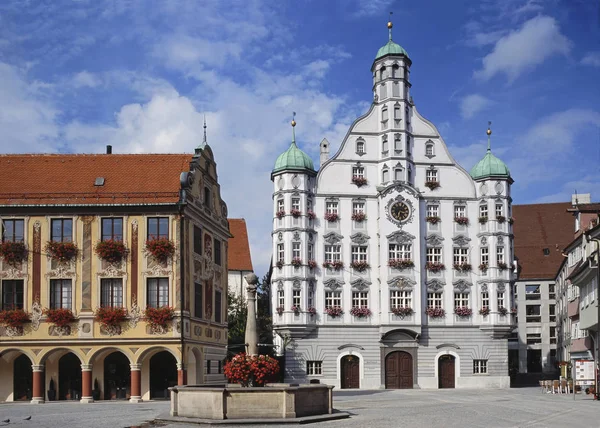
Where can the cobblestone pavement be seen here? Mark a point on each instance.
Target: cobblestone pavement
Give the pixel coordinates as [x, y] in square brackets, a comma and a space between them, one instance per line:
[523, 407]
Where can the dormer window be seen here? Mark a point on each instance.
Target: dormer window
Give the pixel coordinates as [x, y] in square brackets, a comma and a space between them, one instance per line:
[360, 147]
[429, 152]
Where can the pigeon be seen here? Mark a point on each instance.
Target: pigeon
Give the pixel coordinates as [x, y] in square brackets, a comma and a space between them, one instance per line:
[28, 418]
[6, 421]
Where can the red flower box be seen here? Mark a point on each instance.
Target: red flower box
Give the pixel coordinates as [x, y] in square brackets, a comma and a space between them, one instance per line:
[435, 312]
[255, 370]
[359, 181]
[462, 220]
[110, 316]
[160, 248]
[500, 218]
[434, 266]
[14, 318]
[336, 265]
[280, 214]
[334, 311]
[62, 252]
[311, 215]
[483, 267]
[359, 216]
[295, 213]
[360, 312]
[111, 250]
[463, 267]
[159, 317]
[280, 309]
[484, 311]
[483, 219]
[432, 185]
[360, 266]
[502, 311]
[433, 219]
[331, 216]
[296, 262]
[402, 311]
[312, 311]
[312, 264]
[13, 253]
[60, 317]
[400, 263]
[463, 312]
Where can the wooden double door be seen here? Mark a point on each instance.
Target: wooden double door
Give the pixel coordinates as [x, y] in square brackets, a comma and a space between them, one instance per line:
[446, 371]
[399, 370]
[350, 372]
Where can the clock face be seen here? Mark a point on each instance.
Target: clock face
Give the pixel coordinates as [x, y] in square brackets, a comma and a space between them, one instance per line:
[400, 211]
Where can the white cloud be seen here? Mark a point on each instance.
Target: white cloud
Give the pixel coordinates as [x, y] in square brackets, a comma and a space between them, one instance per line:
[473, 104]
[371, 7]
[584, 184]
[524, 49]
[591, 58]
[86, 79]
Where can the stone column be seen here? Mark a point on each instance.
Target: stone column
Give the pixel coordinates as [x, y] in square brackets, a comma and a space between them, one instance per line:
[38, 396]
[181, 375]
[86, 384]
[136, 383]
[251, 330]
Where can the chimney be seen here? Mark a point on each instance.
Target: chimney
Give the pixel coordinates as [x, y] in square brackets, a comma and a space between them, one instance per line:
[324, 151]
[109, 149]
[581, 198]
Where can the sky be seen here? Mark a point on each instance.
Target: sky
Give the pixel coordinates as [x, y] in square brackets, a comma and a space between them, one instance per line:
[141, 75]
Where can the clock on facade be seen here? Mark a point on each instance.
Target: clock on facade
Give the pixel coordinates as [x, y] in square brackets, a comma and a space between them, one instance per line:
[399, 211]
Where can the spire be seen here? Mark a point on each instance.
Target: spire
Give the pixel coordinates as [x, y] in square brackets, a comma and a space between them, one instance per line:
[489, 133]
[293, 123]
[204, 141]
[390, 25]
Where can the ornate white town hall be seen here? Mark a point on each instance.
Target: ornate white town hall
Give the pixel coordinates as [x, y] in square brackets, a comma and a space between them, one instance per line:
[392, 264]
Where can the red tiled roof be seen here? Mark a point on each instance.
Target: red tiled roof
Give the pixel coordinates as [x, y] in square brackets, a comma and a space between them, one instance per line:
[540, 226]
[238, 257]
[67, 179]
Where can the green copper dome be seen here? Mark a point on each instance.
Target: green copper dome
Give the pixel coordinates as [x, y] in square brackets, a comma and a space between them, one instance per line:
[490, 166]
[390, 48]
[295, 159]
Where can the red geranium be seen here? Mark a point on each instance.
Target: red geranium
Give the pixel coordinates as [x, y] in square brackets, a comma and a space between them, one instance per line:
[111, 250]
[160, 248]
[255, 370]
[14, 318]
[13, 253]
[62, 251]
[110, 316]
[159, 317]
[60, 317]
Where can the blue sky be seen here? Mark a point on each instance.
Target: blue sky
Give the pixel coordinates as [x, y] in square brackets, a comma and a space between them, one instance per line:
[140, 75]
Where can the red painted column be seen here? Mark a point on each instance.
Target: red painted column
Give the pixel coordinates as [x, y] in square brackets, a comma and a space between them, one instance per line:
[136, 383]
[181, 375]
[38, 384]
[86, 384]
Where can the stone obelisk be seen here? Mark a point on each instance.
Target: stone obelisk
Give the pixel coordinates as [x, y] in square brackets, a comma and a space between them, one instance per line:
[251, 329]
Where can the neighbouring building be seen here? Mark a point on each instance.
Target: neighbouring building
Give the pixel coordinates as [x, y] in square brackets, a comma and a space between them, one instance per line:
[577, 286]
[541, 233]
[164, 215]
[392, 264]
[239, 261]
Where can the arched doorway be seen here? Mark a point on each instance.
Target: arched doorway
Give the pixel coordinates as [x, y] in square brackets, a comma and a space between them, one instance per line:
[22, 378]
[350, 372]
[117, 377]
[398, 370]
[163, 374]
[69, 377]
[446, 371]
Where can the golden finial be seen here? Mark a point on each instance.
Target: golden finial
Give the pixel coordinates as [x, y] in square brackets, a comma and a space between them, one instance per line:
[293, 121]
[390, 25]
[489, 132]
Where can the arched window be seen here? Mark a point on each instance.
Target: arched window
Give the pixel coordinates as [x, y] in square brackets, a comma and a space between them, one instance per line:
[384, 144]
[382, 73]
[395, 70]
[429, 150]
[385, 175]
[360, 146]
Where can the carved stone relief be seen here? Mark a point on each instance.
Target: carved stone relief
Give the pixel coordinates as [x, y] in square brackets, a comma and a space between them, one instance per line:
[461, 240]
[359, 238]
[400, 237]
[333, 238]
[435, 285]
[434, 240]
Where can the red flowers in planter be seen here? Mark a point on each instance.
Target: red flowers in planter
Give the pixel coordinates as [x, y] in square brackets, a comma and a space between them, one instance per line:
[435, 312]
[331, 216]
[402, 311]
[400, 263]
[433, 219]
[295, 213]
[359, 181]
[462, 220]
[484, 311]
[311, 215]
[359, 266]
[296, 262]
[463, 312]
[280, 214]
[502, 266]
[336, 264]
[334, 311]
[462, 267]
[502, 311]
[279, 264]
[312, 264]
[60, 317]
[14, 318]
[111, 250]
[62, 252]
[280, 309]
[483, 267]
[360, 216]
[13, 253]
[160, 248]
[483, 219]
[434, 266]
[360, 312]
[110, 316]
[295, 309]
[312, 310]
[432, 185]
[255, 370]
[159, 317]
[500, 218]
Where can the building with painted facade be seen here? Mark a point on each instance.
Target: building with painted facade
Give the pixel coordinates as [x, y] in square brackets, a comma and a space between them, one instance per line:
[239, 259]
[61, 209]
[392, 264]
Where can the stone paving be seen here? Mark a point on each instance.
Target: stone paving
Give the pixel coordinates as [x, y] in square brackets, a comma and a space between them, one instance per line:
[522, 407]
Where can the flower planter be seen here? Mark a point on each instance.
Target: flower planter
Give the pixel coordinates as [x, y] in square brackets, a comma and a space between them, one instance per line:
[360, 312]
[159, 318]
[331, 217]
[311, 215]
[312, 264]
[110, 318]
[13, 253]
[359, 217]
[502, 266]
[280, 214]
[359, 181]
[295, 213]
[255, 370]
[360, 266]
[402, 311]
[60, 317]
[432, 185]
[312, 311]
[111, 251]
[14, 318]
[500, 218]
[435, 312]
[162, 249]
[295, 310]
[336, 265]
[296, 262]
[434, 267]
[279, 264]
[464, 221]
[61, 252]
[483, 267]
[483, 220]
[462, 267]
[484, 311]
[400, 264]
[511, 220]
[433, 219]
[463, 312]
[279, 310]
[502, 311]
[334, 311]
